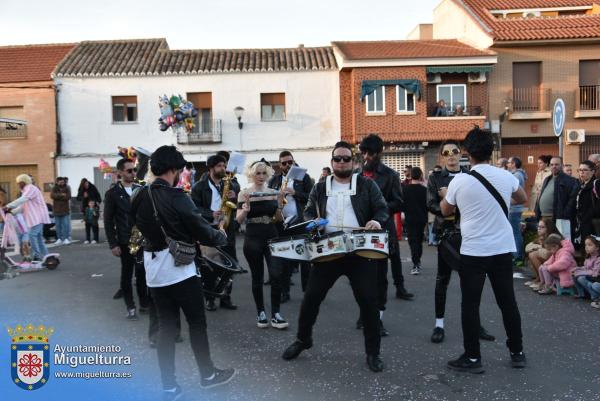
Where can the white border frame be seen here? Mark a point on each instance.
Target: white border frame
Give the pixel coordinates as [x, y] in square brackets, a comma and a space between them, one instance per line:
[375, 101]
[437, 94]
[405, 101]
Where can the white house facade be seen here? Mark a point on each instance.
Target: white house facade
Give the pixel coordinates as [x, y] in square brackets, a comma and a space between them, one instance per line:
[108, 95]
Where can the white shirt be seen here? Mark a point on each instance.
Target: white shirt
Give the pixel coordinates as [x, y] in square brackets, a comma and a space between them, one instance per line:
[290, 208]
[215, 202]
[161, 270]
[339, 210]
[484, 227]
[129, 190]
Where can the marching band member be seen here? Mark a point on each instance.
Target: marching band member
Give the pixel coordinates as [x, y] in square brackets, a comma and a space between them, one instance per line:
[347, 200]
[207, 195]
[259, 206]
[296, 195]
[117, 226]
[388, 182]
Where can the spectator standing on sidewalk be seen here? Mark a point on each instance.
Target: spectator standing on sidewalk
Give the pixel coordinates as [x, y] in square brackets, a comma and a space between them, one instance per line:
[90, 217]
[61, 197]
[516, 210]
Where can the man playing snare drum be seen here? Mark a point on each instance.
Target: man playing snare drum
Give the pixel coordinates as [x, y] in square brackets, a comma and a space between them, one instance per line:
[348, 201]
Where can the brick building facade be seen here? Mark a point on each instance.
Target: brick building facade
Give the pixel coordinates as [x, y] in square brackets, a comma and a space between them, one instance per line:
[27, 97]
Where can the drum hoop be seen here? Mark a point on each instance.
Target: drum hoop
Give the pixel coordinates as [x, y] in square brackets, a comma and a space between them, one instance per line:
[363, 231]
[288, 238]
[234, 265]
[328, 235]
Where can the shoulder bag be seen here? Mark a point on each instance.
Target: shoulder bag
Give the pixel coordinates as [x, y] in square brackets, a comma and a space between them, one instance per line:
[183, 253]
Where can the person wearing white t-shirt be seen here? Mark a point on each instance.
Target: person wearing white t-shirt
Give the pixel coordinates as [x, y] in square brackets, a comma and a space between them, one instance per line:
[487, 244]
[347, 201]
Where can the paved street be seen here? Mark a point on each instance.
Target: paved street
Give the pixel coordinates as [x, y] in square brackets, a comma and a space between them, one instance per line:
[560, 337]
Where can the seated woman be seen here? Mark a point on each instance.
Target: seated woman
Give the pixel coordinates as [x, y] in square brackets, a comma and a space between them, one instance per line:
[560, 266]
[536, 253]
[440, 109]
[587, 277]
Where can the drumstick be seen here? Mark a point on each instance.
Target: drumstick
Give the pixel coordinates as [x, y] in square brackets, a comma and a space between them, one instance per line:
[351, 228]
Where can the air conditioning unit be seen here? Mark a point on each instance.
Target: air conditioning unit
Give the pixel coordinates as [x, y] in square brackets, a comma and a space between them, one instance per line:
[532, 14]
[575, 136]
[434, 78]
[477, 77]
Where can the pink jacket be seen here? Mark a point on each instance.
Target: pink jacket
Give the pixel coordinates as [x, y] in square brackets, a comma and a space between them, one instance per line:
[591, 266]
[562, 263]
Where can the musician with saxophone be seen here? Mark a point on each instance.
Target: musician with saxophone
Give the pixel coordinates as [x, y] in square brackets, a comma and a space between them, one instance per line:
[296, 196]
[219, 211]
[260, 208]
[118, 226]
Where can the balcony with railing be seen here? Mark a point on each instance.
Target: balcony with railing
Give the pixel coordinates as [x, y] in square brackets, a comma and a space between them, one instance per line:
[11, 130]
[530, 103]
[206, 130]
[457, 111]
[587, 101]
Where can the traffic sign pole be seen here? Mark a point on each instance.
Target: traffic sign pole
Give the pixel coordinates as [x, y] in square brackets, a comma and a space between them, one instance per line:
[558, 122]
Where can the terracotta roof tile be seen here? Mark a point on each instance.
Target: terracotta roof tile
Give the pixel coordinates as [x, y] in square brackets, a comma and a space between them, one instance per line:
[536, 28]
[399, 49]
[153, 57]
[413, 136]
[30, 63]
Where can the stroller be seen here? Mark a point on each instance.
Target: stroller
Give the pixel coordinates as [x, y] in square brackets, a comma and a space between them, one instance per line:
[14, 228]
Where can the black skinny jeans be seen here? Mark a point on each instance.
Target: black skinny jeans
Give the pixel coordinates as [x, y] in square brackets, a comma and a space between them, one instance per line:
[363, 280]
[128, 268]
[89, 228]
[473, 271]
[187, 296]
[256, 251]
[415, 240]
[442, 279]
[382, 273]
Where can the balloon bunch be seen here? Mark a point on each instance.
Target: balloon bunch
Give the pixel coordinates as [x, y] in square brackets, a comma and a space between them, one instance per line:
[127, 153]
[176, 113]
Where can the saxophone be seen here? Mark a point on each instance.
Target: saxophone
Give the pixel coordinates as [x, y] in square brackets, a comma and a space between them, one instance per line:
[284, 186]
[227, 206]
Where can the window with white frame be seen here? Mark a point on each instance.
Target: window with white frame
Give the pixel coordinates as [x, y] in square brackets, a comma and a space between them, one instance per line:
[453, 95]
[405, 100]
[272, 106]
[376, 100]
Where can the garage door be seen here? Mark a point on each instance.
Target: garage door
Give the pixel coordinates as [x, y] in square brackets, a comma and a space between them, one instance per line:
[397, 161]
[8, 174]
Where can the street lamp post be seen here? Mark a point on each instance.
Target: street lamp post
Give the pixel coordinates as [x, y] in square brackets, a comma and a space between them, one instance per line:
[239, 112]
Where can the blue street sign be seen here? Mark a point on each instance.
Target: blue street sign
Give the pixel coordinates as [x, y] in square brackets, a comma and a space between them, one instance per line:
[558, 117]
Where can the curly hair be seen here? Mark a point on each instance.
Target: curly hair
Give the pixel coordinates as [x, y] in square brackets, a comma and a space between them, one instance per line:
[253, 168]
[479, 144]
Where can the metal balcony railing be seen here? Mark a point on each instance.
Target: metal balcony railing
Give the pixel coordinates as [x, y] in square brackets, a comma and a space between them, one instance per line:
[588, 98]
[207, 130]
[526, 100]
[10, 130]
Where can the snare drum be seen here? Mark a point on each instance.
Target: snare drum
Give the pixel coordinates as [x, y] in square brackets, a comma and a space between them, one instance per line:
[370, 244]
[329, 247]
[289, 247]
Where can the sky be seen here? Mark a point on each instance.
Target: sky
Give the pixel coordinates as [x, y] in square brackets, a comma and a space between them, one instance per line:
[188, 24]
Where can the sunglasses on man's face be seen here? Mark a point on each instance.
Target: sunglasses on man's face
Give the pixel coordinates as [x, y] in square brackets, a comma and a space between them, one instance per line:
[287, 162]
[342, 159]
[131, 170]
[447, 152]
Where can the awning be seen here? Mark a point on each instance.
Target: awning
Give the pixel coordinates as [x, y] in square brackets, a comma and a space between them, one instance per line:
[458, 69]
[411, 85]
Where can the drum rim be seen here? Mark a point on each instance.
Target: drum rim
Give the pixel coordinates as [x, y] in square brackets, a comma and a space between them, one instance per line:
[289, 238]
[235, 266]
[365, 231]
[328, 235]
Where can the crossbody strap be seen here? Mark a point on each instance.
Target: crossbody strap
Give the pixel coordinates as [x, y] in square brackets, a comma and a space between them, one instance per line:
[491, 189]
[156, 216]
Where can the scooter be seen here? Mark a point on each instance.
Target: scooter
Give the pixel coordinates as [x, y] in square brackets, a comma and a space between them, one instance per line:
[50, 262]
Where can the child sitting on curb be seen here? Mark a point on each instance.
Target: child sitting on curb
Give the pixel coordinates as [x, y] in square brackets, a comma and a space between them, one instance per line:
[587, 277]
[559, 268]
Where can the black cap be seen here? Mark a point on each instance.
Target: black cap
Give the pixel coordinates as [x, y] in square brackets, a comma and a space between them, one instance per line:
[166, 158]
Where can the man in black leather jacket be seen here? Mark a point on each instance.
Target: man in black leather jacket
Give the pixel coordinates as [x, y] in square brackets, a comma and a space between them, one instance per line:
[206, 194]
[175, 287]
[296, 197]
[117, 226]
[353, 200]
[442, 226]
[388, 182]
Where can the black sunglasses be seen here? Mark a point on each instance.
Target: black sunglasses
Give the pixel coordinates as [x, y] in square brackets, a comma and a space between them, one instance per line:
[131, 170]
[287, 163]
[340, 159]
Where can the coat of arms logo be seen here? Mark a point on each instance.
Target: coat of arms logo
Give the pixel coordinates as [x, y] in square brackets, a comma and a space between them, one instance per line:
[30, 355]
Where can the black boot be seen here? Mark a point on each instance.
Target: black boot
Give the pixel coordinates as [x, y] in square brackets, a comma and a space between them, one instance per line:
[375, 363]
[295, 349]
[210, 305]
[484, 335]
[227, 304]
[401, 293]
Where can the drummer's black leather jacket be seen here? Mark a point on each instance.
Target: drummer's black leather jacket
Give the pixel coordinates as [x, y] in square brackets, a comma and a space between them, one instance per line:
[179, 216]
[368, 203]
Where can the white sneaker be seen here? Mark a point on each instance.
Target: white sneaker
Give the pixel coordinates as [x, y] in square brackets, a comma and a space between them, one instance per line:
[58, 242]
[66, 242]
[94, 242]
[86, 242]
